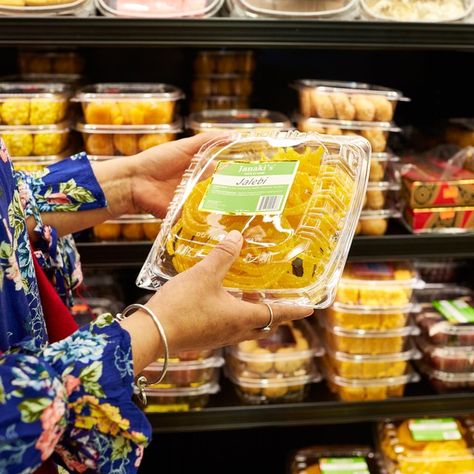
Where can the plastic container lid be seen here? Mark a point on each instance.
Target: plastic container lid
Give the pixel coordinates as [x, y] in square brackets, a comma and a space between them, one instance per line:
[175, 127]
[360, 310]
[453, 353]
[294, 248]
[410, 377]
[214, 361]
[348, 124]
[237, 119]
[411, 353]
[372, 333]
[62, 127]
[368, 214]
[446, 377]
[205, 389]
[31, 90]
[134, 219]
[133, 91]
[384, 157]
[76, 7]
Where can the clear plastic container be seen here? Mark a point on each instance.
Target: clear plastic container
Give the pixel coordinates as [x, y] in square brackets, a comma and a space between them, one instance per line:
[222, 85]
[46, 7]
[31, 165]
[380, 166]
[27, 103]
[350, 316]
[287, 353]
[407, 453]
[380, 194]
[185, 373]
[439, 270]
[249, 119]
[131, 228]
[219, 103]
[347, 101]
[375, 132]
[360, 366]
[364, 341]
[381, 284]
[259, 391]
[35, 140]
[51, 62]
[293, 251]
[129, 104]
[417, 10]
[444, 382]
[314, 460]
[375, 222]
[127, 140]
[224, 62]
[161, 9]
[162, 400]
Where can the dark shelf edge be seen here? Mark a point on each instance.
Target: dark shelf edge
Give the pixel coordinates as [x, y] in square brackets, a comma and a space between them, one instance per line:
[219, 32]
[305, 414]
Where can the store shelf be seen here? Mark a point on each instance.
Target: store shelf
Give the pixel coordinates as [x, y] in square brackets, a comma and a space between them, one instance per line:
[122, 254]
[219, 32]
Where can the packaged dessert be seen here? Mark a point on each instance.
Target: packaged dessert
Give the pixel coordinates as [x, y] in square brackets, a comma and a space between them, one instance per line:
[222, 84]
[224, 62]
[431, 182]
[441, 270]
[245, 119]
[347, 101]
[380, 194]
[289, 352]
[427, 445]
[31, 165]
[448, 319]
[161, 400]
[381, 284]
[293, 196]
[375, 222]
[375, 132]
[349, 316]
[259, 391]
[51, 62]
[192, 373]
[368, 366]
[380, 164]
[130, 228]
[46, 7]
[338, 459]
[429, 11]
[125, 140]
[25, 103]
[214, 102]
[129, 104]
[160, 9]
[445, 382]
[35, 140]
[439, 219]
[365, 341]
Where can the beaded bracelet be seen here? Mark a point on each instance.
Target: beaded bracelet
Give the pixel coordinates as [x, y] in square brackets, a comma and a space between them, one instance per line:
[141, 382]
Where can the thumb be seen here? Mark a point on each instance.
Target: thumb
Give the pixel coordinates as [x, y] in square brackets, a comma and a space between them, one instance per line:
[221, 258]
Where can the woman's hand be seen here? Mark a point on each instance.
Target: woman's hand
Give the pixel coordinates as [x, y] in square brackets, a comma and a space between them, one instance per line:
[197, 313]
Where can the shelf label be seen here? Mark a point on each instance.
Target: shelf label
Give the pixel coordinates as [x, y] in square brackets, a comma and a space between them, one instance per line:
[343, 466]
[437, 429]
[455, 311]
[249, 187]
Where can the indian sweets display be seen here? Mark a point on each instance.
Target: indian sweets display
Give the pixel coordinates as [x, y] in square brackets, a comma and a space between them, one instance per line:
[291, 195]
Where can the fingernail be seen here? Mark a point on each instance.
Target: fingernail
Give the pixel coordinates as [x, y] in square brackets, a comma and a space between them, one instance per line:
[234, 236]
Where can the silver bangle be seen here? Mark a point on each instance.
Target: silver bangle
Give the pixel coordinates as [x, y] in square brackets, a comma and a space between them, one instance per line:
[141, 381]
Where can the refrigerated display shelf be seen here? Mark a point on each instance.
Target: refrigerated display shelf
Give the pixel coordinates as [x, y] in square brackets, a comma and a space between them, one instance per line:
[219, 32]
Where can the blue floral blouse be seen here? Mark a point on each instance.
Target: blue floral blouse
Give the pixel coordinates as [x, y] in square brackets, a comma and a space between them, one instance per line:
[71, 400]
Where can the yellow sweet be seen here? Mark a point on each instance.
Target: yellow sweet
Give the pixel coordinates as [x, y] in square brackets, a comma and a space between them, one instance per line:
[45, 112]
[367, 321]
[48, 143]
[19, 144]
[365, 345]
[368, 369]
[16, 112]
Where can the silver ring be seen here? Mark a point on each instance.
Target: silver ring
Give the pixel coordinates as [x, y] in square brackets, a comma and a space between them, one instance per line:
[268, 327]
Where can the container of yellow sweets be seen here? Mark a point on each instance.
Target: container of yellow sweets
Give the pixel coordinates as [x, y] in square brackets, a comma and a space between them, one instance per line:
[295, 198]
[427, 445]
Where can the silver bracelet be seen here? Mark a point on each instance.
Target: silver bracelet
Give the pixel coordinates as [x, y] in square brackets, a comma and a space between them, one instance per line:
[141, 381]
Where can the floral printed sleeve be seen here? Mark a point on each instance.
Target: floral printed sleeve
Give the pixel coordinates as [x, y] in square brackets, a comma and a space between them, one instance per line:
[72, 400]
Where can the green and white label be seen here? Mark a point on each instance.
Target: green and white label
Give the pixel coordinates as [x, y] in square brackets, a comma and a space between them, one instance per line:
[455, 311]
[437, 429]
[249, 188]
[343, 466]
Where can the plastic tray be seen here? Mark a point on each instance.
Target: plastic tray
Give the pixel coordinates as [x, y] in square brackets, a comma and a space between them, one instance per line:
[380, 165]
[378, 284]
[417, 10]
[375, 222]
[224, 62]
[313, 460]
[402, 454]
[222, 85]
[367, 317]
[106, 140]
[278, 252]
[35, 140]
[375, 132]
[27, 103]
[47, 8]
[130, 228]
[347, 101]
[128, 104]
[380, 194]
[50, 62]
[444, 382]
[249, 119]
[179, 399]
[219, 103]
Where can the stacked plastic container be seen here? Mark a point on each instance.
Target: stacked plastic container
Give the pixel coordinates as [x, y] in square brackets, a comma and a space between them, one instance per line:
[46, 7]
[367, 332]
[446, 321]
[123, 120]
[222, 80]
[276, 369]
[351, 108]
[191, 378]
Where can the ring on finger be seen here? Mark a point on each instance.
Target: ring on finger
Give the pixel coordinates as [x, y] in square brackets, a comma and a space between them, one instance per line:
[268, 326]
